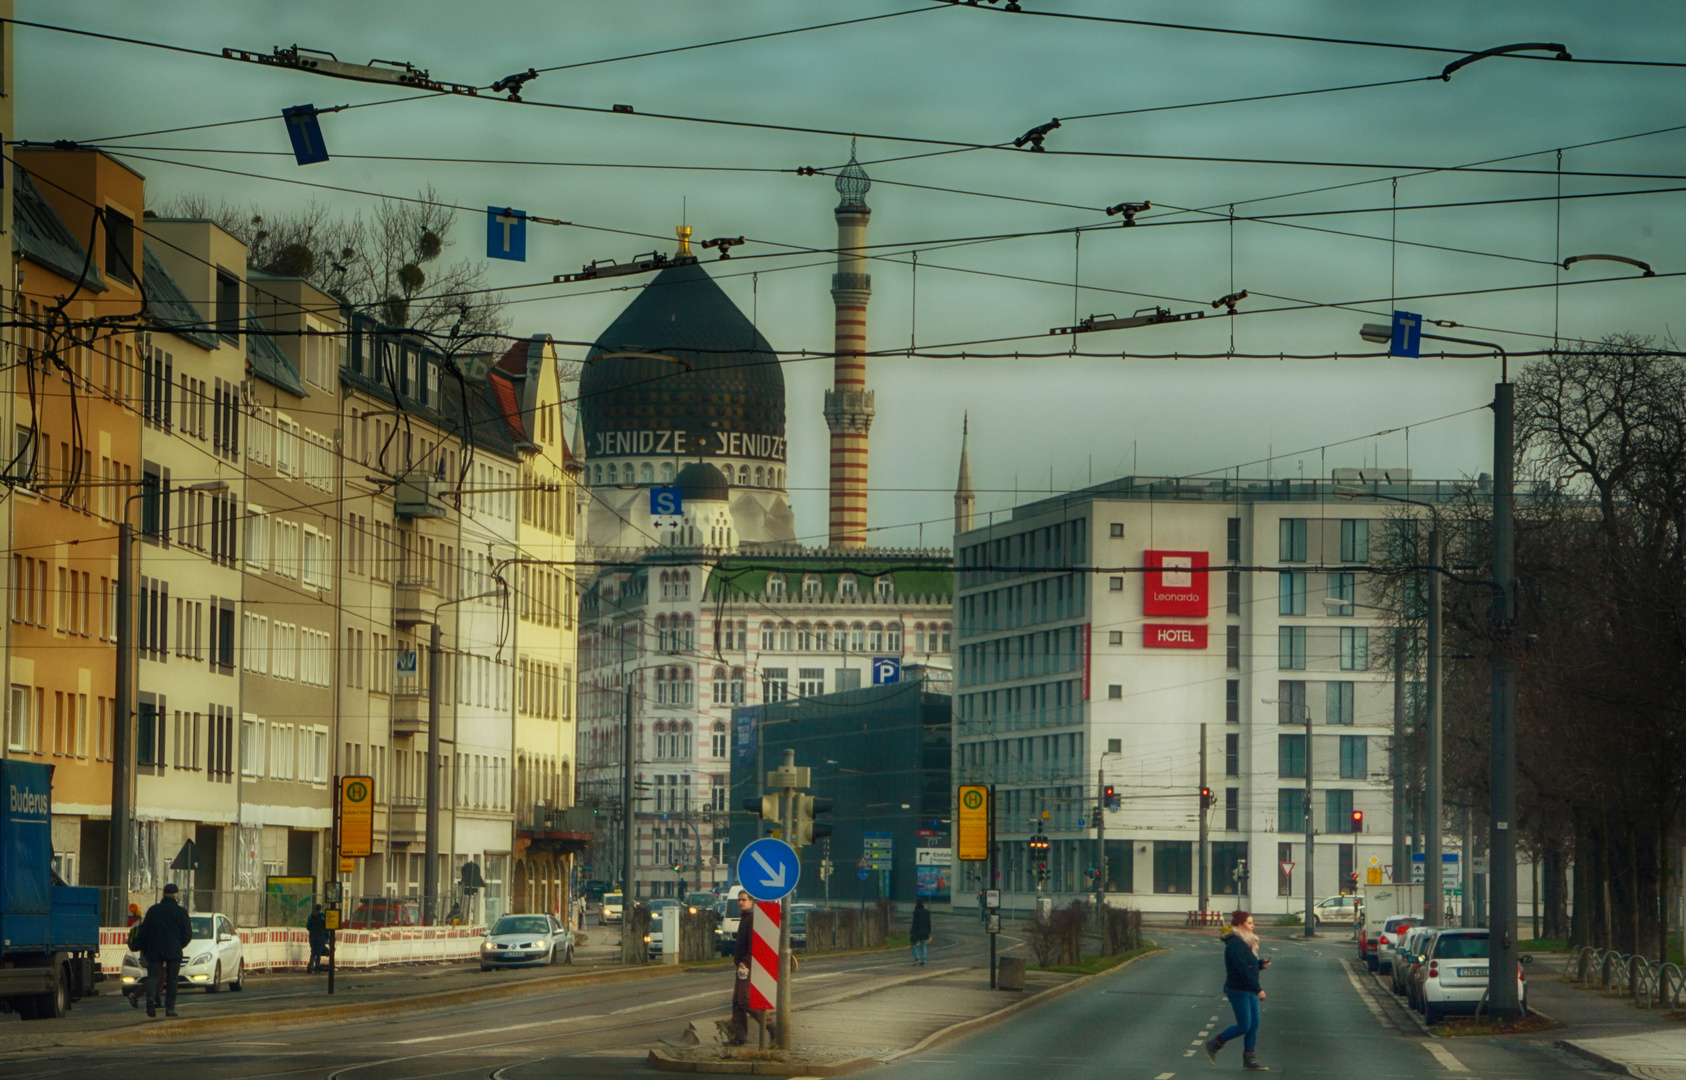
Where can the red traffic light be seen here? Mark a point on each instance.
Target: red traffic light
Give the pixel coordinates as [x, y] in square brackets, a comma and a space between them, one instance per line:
[1358, 821]
[1109, 797]
[1205, 798]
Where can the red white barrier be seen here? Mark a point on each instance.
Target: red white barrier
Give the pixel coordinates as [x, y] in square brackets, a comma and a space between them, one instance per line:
[764, 957]
[288, 948]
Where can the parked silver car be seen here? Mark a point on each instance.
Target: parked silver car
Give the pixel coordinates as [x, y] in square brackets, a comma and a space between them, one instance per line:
[526, 941]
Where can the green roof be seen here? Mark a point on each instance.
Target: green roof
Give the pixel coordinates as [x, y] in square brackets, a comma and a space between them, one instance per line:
[747, 576]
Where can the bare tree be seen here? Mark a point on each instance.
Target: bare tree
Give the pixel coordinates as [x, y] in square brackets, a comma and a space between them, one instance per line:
[389, 264]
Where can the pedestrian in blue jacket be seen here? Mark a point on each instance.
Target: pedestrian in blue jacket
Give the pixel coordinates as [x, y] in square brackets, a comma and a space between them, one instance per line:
[1242, 965]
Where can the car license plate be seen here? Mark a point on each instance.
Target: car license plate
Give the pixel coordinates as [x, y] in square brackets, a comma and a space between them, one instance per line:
[1472, 973]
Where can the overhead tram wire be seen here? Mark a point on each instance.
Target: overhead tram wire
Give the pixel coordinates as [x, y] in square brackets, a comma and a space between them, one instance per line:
[1444, 50]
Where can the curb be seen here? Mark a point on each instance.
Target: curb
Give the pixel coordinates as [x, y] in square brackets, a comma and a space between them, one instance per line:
[963, 1027]
[662, 1061]
[299, 1017]
[1593, 1056]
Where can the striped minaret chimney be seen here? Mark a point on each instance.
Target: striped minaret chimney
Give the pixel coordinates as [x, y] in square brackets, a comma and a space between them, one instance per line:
[848, 404]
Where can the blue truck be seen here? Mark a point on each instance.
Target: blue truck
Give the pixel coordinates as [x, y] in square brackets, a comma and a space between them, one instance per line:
[49, 931]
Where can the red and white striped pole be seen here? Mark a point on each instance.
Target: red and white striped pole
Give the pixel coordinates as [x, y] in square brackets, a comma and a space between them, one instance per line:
[764, 959]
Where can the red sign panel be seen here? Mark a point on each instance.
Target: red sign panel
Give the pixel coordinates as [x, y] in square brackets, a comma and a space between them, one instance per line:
[1174, 635]
[1175, 583]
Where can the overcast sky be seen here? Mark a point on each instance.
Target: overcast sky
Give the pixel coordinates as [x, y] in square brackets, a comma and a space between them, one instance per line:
[983, 76]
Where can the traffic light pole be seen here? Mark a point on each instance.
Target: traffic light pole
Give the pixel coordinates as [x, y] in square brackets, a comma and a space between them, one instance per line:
[1310, 838]
[1100, 837]
[1202, 888]
[989, 883]
[787, 809]
[1501, 847]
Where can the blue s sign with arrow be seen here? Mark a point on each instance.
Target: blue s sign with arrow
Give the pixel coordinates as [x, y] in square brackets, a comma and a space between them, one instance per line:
[769, 869]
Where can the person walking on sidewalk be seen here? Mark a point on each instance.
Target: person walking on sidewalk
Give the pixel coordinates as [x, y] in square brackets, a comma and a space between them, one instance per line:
[317, 927]
[919, 932]
[741, 952]
[164, 933]
[1242, 965]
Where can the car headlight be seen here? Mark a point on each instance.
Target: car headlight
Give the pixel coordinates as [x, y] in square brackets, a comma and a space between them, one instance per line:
[646, 939]
[202, 958]
[487, 945]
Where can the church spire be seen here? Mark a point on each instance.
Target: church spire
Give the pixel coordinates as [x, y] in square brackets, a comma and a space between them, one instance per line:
[964, 500]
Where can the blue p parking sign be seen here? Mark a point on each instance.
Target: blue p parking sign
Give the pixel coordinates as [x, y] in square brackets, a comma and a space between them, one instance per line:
[886, 670]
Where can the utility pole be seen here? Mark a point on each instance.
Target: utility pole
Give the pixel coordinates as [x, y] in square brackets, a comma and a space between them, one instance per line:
[787, 819]
[1433, 889]
[628, 830]
[989, 883]
[122, 747]
[430, 863]
[1501, 846]
[1310, 838]
[1203, 889]
[1100, 836]
[1396, 761]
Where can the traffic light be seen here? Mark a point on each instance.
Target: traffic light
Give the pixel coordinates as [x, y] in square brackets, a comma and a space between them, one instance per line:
[1109, 797]
[1358, 821]
[1205, 798]
[765, 807]
[1039, 846]
[807, 829]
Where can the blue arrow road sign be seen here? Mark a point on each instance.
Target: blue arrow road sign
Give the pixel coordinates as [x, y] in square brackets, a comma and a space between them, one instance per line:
[769, 869]
[506, 233]
[1407, 334]
[886, 670]
[665, 502]
[306, 132]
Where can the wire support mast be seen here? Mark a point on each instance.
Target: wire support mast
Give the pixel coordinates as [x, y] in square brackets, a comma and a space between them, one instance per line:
[390, 72]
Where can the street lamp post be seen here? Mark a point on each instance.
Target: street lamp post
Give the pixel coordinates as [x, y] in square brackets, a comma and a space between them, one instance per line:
[122, 744]
[1501, 751]
[1310, 822]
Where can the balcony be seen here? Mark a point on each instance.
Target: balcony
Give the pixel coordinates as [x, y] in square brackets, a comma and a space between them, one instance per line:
[408, 814]
[414, 600]
[409, 710]
[562, 830]
[419, 496]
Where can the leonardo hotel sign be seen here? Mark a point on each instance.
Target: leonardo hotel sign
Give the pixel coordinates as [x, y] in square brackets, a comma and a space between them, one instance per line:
[1174, 635]
[1175, 583]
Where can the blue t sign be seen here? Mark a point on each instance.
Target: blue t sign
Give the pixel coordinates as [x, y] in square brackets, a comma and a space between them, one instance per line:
[665, 502]
[506, 233]
[1407, 334]
[306, 132]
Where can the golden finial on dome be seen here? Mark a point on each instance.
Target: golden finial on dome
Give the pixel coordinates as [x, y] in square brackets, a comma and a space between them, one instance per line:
[684, 232]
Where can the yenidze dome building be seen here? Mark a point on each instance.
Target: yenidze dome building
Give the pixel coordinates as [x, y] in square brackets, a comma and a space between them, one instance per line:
[682, 376]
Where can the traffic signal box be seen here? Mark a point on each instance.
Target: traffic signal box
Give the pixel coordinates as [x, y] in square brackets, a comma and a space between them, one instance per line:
[1205, 798]
[1358, 821]
[1039, 855]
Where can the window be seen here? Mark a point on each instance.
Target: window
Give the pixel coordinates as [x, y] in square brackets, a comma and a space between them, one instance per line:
[717, 747]
[1232, 591]
[1232, 648]
[1115, 692]
[1337, 811]
[149, 730]
[1355, 648]
[1292, 540]
[1290, 757]
[1115, 637]
[1290, 592]
[810, 682]
[1115, 584]
[1338, 708]
[893, 637]
[222, 636]
[1232, 701]
[119, 246]
[1355, 757]
[1116, 530]
[1234, 550]
[1290, 701]
[20, 726]
[1232, 755]
[228, 305]
[1355, 540]
[1290, 648]
[775, 684]
[155, 501]
[768, 641]
[875, 637]
[1290, 810]
[1342, 587]
[775, 585]
[1232, 809]
[883, 588]
[1173, 866]
[848, 587]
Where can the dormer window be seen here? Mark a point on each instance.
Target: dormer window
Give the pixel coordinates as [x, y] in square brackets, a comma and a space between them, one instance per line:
[775, 585]
[884, 588]
[847, 587]
[810, 586]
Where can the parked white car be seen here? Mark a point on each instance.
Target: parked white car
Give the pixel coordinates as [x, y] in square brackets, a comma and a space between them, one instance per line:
[1336, 909]
[1453, 979]
[213, 957]
[1405, 953]
[1388, 939]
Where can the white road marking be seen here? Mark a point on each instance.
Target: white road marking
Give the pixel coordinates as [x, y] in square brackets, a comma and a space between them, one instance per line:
[1164, 1076]
[494, 1031]
[669, 1001]
[1444, 1056]
[1195, 1043]
[1213, 1020]
[1357, 988]
[1188, 1053]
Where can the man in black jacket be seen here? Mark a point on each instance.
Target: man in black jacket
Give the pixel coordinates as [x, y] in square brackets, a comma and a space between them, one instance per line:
[741, 952]
[164, 933]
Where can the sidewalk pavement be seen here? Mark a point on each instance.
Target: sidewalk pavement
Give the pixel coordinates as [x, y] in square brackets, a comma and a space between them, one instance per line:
[1606, 1028]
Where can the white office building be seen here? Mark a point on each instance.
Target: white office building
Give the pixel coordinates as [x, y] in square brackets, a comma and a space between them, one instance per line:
[1097, 633]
